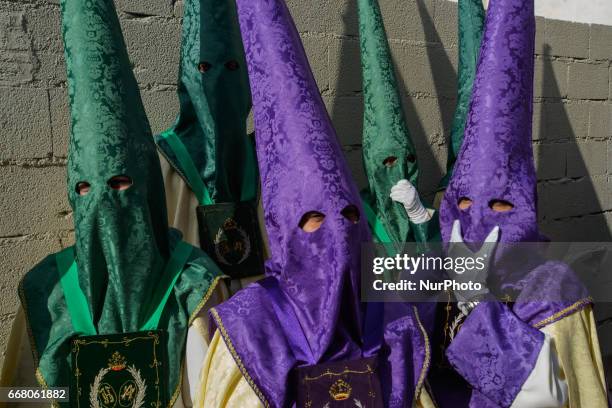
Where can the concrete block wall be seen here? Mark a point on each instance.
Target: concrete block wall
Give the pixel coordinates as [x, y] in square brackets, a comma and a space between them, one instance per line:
[572, 112]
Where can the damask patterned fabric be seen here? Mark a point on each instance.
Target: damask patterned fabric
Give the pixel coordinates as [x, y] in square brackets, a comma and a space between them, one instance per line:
[471, 25]
[215, 100]
[496, 159]
[122, 239]
[390, 156]
[495, 352]
[301, 163]
[388, 152]
[496, 347]
[575, 338]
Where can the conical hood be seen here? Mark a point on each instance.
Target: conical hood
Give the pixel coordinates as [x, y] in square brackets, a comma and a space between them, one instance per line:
[388, 152]
[121, 235]
[302, 170]
[496, 160]
[214, 101]
[471, 26]
[299, 156]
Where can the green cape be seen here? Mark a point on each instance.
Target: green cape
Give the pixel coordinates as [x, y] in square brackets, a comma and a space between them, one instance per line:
[122, 239]
[50, 328]
[471, 26]
[215, 102]
[385, 133]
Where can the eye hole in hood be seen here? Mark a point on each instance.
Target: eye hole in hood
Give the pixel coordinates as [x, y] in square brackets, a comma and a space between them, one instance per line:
[390, 161]
[464, 203]
[82, 188]
[351, 213]
[120, 183]
[311, 221]
[500, 205]
[204, 66]
[232, 65]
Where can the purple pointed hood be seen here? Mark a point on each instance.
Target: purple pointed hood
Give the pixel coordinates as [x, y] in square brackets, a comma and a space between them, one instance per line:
[496, 159]
[302, 165]
[302, 169]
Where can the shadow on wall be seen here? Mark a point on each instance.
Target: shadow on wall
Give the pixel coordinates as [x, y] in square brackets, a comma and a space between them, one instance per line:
[565, 186]
[563, 176]
[442, 72]
[346, 110]
[348, 100]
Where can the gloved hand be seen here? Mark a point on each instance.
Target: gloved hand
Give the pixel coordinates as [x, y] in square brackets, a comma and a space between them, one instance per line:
[458, 249]
[405, 193]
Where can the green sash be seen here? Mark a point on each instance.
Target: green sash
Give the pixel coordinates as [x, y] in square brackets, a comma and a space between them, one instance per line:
[77, 304]
[378, 229]
[192, 176]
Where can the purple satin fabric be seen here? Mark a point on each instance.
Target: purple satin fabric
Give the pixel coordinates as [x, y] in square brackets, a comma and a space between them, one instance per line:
[546, 294]
[302, 169]
[495, 352]
[497, 346]
[549, 293]
[404, 355]
[496, 158]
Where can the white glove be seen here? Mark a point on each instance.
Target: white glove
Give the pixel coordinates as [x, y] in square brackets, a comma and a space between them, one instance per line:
[458, 249]
[405, 193]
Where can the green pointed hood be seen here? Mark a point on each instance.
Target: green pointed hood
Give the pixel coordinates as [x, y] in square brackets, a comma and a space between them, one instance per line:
[471, 26]
[385, 135]
[215, 102]
[122, 241]
[121, 236]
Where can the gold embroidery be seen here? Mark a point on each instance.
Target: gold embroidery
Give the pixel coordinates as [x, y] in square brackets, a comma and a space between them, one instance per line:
[116, 362]
[207, 296]
[427, 355]
[116, 359]
[224, 245]
[340, 390]
[237, 359]
[194, 315]
[177, 391]
[346, 371]
[568, 310]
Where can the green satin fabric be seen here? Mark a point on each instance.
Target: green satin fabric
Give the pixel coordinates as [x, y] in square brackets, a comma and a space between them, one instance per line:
[471, 26]
[214, 104]
[385, 132]
[122, 239]
[50, 327]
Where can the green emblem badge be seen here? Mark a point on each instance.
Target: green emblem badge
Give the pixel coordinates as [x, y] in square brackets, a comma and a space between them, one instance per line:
[229, 232]
[119, 371]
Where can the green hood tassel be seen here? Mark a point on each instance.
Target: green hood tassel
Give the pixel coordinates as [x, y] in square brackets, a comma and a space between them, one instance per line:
[388, 152]
[215, 101]
[471, 26]
[122, 240]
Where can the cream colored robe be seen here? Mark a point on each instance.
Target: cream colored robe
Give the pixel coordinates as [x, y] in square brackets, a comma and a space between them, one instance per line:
[575, 338]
